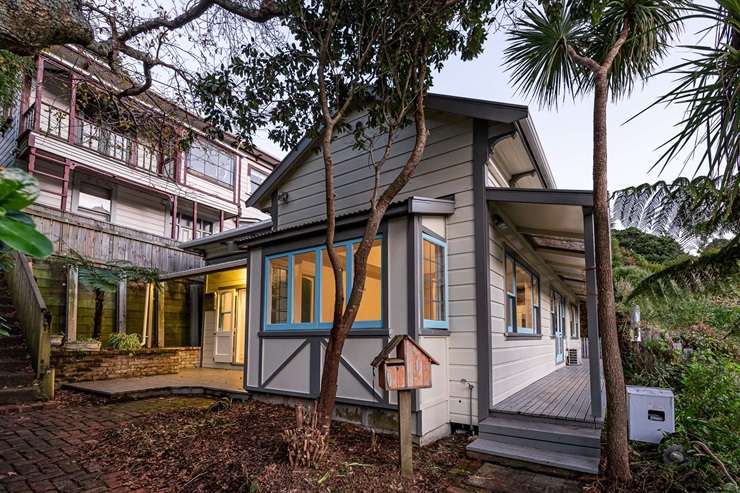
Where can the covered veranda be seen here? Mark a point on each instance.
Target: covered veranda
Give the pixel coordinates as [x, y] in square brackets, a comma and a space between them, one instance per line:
[558, 226]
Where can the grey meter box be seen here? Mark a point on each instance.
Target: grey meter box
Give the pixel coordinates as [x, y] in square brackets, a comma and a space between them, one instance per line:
[651, 413]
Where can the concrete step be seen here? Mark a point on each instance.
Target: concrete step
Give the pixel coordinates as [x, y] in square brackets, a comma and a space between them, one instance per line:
[564, 432]
[10, 379]
[11, 340]
[12, 351]
[486, 449]
[20, 395]
[16, 363]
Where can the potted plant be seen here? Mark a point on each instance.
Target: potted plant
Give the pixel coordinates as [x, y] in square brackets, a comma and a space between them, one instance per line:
[56, 340]
[83, 345]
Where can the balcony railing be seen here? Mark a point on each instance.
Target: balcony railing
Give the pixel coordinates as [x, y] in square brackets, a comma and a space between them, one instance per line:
[56, 123]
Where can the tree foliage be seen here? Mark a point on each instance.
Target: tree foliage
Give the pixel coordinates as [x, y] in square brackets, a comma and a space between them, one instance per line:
[372, 49]
[541, 47]
[692, 211]
[708, 86]
[656, 249]
[17, 230]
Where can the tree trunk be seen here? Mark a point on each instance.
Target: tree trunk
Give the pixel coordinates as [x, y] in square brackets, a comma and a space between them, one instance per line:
[617, 446]
[98, 315]
[29, 26]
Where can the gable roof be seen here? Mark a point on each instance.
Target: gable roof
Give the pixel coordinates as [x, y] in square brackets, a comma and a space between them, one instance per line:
[470, 107]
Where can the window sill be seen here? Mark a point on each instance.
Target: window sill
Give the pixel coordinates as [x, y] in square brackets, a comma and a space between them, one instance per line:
[514, 335]
[428, 331]
[297, 333]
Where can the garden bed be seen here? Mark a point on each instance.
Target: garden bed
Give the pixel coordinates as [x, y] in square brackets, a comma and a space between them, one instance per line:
[240, 449]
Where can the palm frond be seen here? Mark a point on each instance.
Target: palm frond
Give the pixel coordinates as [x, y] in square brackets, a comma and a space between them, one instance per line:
[537, 58]
[691, 211]
[708, 86]
[654, 25]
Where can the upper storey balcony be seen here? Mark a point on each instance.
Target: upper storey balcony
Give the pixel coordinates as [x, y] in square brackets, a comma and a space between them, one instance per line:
[69, 119]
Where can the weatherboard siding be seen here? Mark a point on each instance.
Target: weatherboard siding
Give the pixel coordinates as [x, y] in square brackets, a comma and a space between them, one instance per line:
[441, 172]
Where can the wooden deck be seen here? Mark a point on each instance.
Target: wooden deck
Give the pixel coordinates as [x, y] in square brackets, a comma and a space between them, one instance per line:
[563, 394]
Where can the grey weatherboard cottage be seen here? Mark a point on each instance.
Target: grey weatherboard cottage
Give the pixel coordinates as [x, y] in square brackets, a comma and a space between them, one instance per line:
[481, 260]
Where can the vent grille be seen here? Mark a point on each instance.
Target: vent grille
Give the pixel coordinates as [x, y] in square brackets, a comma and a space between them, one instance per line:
[572, 356]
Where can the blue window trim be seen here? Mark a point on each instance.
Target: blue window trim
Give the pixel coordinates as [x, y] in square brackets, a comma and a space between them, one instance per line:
[510, 298]
[317, 324]
[436, 324]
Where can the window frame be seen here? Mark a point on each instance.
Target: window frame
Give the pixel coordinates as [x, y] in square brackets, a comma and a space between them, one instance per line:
[317, 324]
[252, 185]
[85, 188]
[510, 298]
[428, 323]
[575, 323]
[203, 174]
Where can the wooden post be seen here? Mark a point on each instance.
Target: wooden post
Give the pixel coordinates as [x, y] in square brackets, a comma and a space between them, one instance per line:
[72, 301]
[72, 130]
[195, 220]
[39, 93]
[173, 232]
[160, 315]
[121, 306]
[404, 432]
[148, 314]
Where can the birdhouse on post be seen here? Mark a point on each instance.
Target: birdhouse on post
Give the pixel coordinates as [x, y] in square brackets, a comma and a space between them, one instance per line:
[404, 366]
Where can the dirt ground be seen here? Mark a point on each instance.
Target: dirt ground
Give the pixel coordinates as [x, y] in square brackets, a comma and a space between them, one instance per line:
[240, 450]
[178, 444]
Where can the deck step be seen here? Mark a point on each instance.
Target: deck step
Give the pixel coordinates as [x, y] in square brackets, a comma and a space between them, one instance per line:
[563, 432]
[491, 450]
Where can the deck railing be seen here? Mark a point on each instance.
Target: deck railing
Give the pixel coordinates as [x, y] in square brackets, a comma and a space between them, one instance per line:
[31, 312]
[85, 133]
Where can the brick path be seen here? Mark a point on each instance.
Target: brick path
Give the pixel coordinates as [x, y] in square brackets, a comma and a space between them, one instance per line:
[43, 450]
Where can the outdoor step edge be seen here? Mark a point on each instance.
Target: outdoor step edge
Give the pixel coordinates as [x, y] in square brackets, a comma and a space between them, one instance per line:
[571, 462]
[556, 446]
[543, 431]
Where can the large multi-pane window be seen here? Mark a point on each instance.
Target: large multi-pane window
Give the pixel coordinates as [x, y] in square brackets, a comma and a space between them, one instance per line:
[522, 298]
[212, 162]
[300, 290]
[434, 287]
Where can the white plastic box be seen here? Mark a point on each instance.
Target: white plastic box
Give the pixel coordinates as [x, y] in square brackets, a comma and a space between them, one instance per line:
[651, 413]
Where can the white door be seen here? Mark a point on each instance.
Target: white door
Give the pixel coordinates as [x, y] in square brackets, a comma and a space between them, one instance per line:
[223, 347]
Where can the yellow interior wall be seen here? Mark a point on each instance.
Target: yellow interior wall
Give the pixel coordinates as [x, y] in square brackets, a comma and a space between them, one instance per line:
[235, 278]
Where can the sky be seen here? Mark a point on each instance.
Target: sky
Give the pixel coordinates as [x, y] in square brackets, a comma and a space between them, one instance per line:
[566, 132]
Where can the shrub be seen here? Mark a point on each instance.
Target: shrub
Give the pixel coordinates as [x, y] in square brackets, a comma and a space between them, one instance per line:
[705, 377]
[707, 416]
[123, 342]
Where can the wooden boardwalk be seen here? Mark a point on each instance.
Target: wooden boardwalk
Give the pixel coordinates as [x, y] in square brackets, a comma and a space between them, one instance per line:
[563, 394]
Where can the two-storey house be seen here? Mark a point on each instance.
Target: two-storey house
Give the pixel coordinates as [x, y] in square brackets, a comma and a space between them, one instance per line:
[123, 180]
